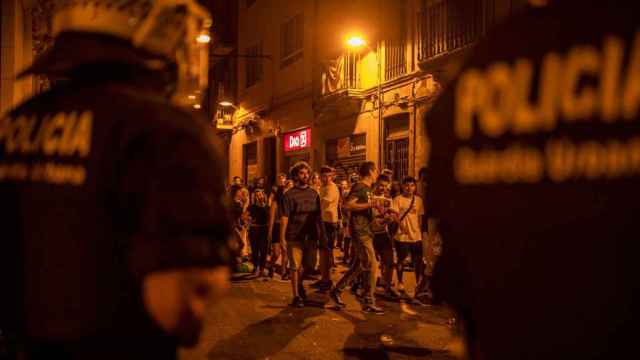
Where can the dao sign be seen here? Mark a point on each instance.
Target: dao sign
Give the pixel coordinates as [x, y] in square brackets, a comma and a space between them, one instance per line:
[297, 140]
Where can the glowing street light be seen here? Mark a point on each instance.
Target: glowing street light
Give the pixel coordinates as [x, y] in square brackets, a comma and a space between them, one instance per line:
[226, 104]
[356, 41]
[203, 38]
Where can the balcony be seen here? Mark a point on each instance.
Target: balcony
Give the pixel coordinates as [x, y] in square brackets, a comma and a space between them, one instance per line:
[444, 27]
[341, 85]
[224, 118]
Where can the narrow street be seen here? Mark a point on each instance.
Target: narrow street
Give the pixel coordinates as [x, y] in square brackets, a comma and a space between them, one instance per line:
[255, 322]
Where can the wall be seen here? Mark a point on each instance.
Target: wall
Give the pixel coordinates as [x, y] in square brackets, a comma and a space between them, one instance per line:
[17, 53]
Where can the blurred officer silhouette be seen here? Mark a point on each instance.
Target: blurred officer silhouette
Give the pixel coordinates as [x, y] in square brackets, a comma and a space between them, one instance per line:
[534, 173]
[114, 227]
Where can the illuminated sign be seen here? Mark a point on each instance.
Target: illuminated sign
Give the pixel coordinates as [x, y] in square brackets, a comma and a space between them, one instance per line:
[297, 140]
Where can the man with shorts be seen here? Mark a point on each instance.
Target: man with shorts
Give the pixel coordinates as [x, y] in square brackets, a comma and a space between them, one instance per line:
[359, 203]
[382, 215]
[408, 239]
[300, 227]
[329, 201]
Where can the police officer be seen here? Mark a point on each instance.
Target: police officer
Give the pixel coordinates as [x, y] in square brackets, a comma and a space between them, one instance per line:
[534, 175]
[114, 230]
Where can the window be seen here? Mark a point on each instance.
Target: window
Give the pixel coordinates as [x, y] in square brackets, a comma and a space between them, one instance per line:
[291, 40]
[253, 65]
[397, 145]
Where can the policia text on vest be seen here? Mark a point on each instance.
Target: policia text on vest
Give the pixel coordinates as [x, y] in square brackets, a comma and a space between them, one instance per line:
[575, 87]
[57, 138]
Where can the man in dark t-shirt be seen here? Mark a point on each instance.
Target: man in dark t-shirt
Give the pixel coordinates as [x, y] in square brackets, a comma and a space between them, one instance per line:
[360, 205]
[300, 227]
[534, 174]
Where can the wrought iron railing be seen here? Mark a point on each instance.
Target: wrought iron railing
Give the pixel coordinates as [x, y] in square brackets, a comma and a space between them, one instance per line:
[395, 58]
[444, 27]
[341, 74]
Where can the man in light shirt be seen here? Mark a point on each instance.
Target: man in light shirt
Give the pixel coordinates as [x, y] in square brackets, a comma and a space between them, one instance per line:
[329, 201]
[408, 239]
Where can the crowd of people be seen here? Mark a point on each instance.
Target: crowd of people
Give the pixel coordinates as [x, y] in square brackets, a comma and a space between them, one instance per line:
[307, 223]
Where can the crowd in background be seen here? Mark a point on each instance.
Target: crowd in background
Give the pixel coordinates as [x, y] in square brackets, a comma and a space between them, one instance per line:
[399, 229]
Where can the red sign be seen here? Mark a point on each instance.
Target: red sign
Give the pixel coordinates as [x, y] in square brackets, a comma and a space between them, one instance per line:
[297, 140]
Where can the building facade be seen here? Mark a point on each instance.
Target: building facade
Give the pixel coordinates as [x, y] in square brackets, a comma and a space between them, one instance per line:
[25, 33]
[304, 94]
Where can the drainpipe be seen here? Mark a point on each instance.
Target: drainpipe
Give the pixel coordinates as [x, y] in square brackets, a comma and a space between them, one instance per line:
[380, 106]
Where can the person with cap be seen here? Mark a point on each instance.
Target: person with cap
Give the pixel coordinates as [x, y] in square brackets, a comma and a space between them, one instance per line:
[534, 176]
[300, 228]
[114, 226]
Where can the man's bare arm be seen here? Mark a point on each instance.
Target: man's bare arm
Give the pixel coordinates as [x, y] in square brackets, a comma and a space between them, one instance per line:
[284, 221]
[272, 218]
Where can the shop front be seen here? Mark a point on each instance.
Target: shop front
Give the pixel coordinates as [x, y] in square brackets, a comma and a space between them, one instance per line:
[346, 154]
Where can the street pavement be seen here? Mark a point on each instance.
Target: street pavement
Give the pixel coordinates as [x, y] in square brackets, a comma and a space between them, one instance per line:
[255, 322]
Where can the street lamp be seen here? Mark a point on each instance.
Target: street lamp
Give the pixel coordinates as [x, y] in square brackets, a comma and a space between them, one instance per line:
[227, 104]
[356, 42]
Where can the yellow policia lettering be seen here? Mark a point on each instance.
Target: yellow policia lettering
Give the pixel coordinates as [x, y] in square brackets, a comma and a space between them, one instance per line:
[50, 138]
[579, 103]
[61, 134]
[560, 161]
[515, 164]
[611, 68]
[631, 96]
[572, 87]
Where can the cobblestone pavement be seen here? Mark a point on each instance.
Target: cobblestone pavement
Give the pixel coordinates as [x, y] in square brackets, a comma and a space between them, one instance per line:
[254, 322]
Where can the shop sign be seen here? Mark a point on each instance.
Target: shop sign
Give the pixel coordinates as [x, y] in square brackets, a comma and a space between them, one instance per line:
[297, 140]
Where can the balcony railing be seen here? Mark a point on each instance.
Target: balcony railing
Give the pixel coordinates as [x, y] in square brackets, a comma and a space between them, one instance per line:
[224, 118]
[341, 74]
[444, 27]
[395, 58]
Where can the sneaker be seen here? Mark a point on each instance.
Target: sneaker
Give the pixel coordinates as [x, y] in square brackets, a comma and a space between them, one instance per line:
[297, 302]
[337, 299]
[286, 277]
[372, 309]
